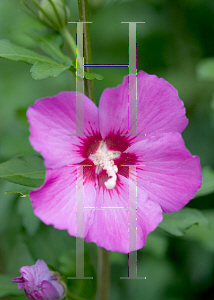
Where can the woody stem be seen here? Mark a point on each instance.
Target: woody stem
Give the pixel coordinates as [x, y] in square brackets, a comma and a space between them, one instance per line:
[103, 274]
[103, 255]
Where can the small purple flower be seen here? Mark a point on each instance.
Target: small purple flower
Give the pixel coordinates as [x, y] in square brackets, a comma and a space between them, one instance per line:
[38, 283]
[168, 175]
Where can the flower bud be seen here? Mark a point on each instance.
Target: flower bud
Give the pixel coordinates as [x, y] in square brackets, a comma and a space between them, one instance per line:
[39, 283]
[56, 13]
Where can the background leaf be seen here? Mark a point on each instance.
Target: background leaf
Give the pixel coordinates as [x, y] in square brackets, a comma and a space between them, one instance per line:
[29, 220]
[19, 189]
[50, 42]
[205, 69]
[92, 76]
[207, 182]
[7, 287]
[43, 66]
[42, 70]
[25, 170]
[13, 52]
[176, 223]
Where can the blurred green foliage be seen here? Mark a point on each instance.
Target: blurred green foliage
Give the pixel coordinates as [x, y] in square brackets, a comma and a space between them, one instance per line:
[176, 43]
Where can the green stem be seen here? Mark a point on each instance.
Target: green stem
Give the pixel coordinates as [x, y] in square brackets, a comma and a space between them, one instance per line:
[84, 17]
[103, 274]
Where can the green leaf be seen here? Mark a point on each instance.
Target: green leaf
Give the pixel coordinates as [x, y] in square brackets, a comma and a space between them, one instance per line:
[42, 70]
[29, 220]
[43, 66]
[7, 208]
[7, 287]
[177, 222]
[201, 234]
[48, 242]
[13, 52]
[19, 189]
[205, 69]
[156, 244]
[68, 262]
[50, 43]
[207, 182]
[18, 255]
[92, 76]
[24, 192]
[26, 170]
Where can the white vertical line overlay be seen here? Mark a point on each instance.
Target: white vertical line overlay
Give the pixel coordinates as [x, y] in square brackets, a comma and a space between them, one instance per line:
[132, 256]
[132, 83]
[79, 132]
[132, 79]
[80, 221]
[132, 90]
[79, 82]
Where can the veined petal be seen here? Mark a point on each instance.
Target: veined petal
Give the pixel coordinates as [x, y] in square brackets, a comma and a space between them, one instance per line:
[33, 275]
[110, 227]
[51, 121]
[47, 292]
[159, 108]
[58, 286]
[168, 172]
[55, 203]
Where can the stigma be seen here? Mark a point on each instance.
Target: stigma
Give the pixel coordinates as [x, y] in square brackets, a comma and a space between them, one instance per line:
[103, 159]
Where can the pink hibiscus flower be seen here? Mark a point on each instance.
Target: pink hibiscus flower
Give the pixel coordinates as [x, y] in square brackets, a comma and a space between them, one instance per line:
[167, 174]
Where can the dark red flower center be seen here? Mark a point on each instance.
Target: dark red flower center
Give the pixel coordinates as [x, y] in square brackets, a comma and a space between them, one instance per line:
[106, 159]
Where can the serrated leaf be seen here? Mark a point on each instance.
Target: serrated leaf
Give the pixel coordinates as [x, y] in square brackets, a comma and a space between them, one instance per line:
[50, 43]
[43, 66]
[205, 69]
[177, 222]
[42, 70]
[26, 170]
[13, 52]
[207, 182]
[7, 287]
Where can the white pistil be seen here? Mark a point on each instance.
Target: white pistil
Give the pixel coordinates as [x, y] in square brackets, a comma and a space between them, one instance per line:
[104, 160]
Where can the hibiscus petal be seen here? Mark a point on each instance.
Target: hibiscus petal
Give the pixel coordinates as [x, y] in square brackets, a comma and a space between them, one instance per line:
[110, 227]
[46, 291]
[55, 203]
[20, 281]
[170, 174]
[33, 275]
[58, 286]
[159, 108]
[52, 120]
